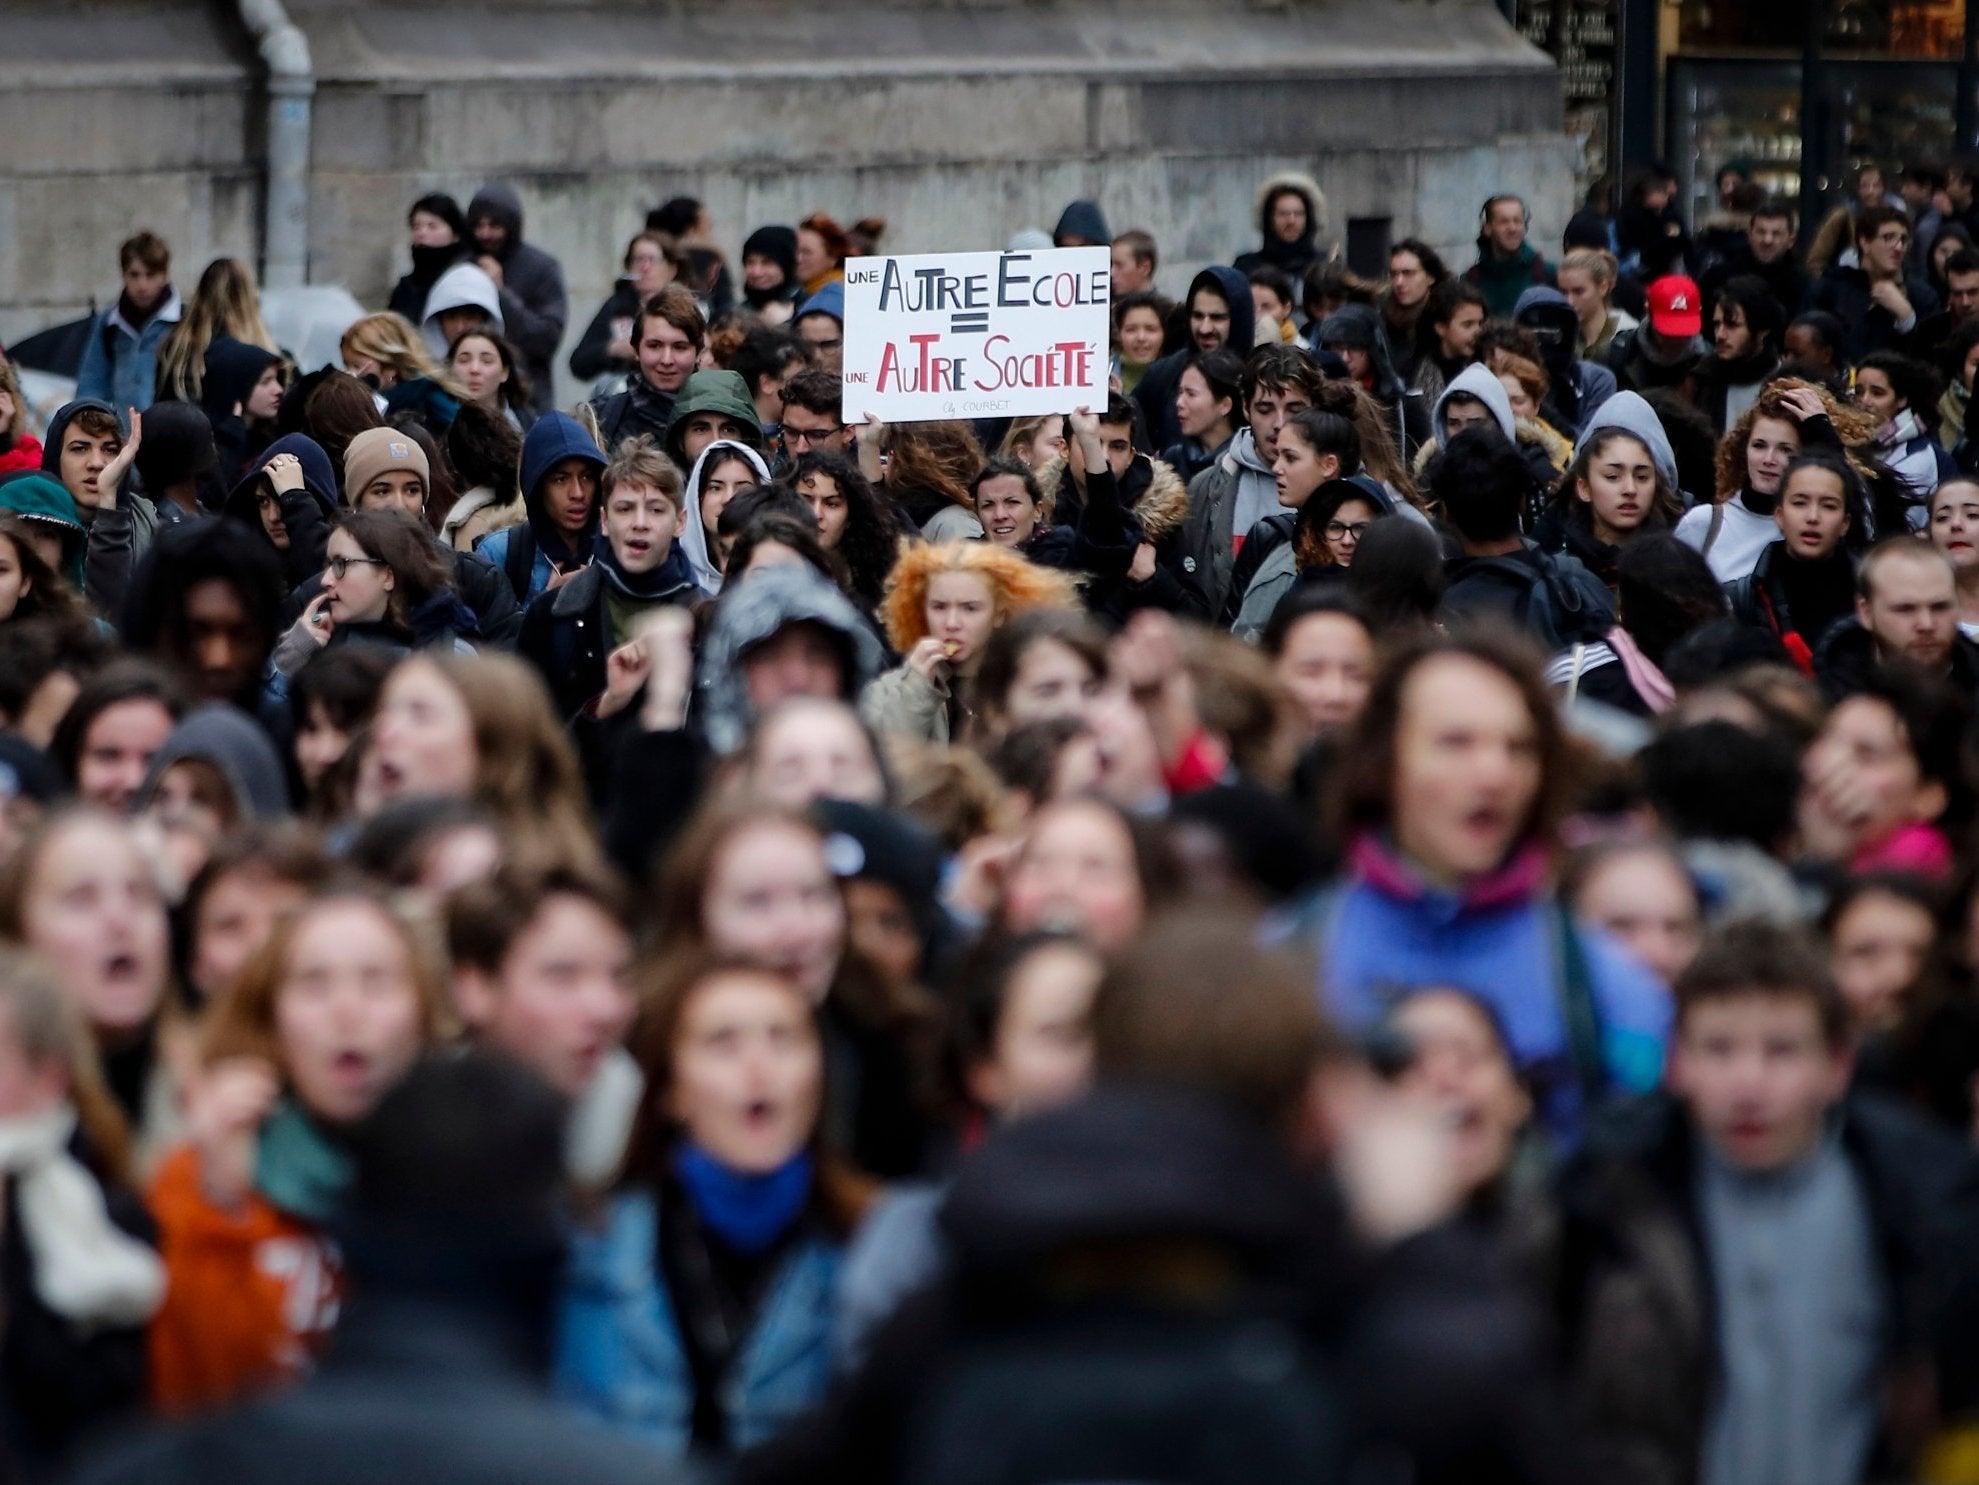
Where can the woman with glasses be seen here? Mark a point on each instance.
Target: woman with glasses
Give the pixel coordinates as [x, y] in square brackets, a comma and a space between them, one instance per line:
[384, 583]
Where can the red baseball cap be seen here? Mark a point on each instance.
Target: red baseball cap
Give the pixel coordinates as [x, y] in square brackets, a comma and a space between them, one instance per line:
[1675, 306]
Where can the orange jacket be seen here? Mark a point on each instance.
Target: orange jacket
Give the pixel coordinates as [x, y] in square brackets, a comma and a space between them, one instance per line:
[250, 1295]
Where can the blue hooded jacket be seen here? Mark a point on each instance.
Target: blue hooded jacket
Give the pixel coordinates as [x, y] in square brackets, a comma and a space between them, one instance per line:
[556, 436]
[829, 300]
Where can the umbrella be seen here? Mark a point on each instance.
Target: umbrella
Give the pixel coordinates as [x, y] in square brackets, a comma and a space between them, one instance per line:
[309, 322]
[57, 350]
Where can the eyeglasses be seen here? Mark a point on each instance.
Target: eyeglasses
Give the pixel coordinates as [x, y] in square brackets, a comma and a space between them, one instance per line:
[339, 567]
[810, 437]
[1341, 531]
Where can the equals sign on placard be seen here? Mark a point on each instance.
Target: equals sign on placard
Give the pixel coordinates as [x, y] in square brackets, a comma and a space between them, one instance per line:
[976, 323]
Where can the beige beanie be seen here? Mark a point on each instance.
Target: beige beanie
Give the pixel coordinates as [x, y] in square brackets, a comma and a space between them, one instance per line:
[378, 451]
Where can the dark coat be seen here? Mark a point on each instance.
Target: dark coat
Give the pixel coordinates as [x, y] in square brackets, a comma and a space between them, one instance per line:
[477, 582]
[567, 631]
[534, 302]
[1844, 293]
[589, 360]
[1635, 1283]
[1846, 657]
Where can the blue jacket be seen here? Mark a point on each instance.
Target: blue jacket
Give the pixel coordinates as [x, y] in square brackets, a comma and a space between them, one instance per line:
[554, 437]
[1384, 938]
[619, 1356]
[120, 365]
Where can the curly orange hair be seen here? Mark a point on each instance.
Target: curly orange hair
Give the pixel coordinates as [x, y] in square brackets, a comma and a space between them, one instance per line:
[1016, 585]
[1853, 426]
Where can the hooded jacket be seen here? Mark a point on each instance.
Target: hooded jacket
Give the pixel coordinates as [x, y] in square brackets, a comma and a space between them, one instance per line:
[1083, 219]
[232, 368]
[307, 514]
[1156, 392]
[534, 305]
[409, 294]
[1359, 326]
[693, 538]
[1480, 382]
[120, 528]
[1630, 413]
[828, 300]
[1148, 504]
[234, 744]
[463, 286]
[722, 392]
[1210, 534]
[1293, 258]
[1577, 387]
[120, 361]
[41, 501]
[755, 610]
[530, 553]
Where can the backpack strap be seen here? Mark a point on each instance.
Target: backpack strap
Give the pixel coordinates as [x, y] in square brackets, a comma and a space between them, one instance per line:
[519, 561]
[1711, 532]
[1573, 982]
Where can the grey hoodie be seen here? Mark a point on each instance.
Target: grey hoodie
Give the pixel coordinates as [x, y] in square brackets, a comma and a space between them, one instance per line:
[1628, 412]
[750, 612]
[234, 744]
[1483, 384]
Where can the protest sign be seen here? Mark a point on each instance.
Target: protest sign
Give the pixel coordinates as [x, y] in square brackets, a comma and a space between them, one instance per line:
[976, 335]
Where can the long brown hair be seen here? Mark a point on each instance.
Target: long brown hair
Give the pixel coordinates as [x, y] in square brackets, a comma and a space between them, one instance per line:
[935, 458]
[841, 1194]
[47, 1026]
[1854, 427]
[406, 548]
[48, 594]
[526, 770]
[226, 305]
[1363, 793]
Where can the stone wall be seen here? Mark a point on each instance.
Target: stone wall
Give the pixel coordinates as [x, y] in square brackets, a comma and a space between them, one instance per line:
[959, 123]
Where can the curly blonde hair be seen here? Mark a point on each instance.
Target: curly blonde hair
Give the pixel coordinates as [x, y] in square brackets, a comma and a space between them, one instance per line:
[1855, 428]
[1016, 585]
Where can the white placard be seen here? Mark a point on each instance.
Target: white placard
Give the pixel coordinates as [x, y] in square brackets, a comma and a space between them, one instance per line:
[976, 335]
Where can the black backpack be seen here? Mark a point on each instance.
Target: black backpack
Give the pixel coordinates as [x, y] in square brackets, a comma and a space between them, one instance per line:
[1086, 1399]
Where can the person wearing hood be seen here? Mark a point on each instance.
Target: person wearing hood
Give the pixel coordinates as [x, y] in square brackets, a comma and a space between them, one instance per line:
[178, 463]
[769, 273]
[216, 774]
[86, 450]
[120, 357]
[290, 497]
[463, 298]
[1622, 483]
[1291, 218]
[560, 468]
[782, 633]
[1237, 491]
[606, 351]
[712, 405]
[1478, 398]
[1220, 313]
[529, 282]
[240, 394]
[668, 334]
[1353, 333]
[820, 324]
[1576, 388]
[722, 470]
[570, 632]
[1507, 265]
[1666, 349]
[1746, 327]
[50, 515]
[1082, 224]
[438, 235]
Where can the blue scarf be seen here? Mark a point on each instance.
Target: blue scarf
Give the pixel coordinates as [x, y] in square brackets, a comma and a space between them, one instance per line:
[749, 1213]
[298, 1167]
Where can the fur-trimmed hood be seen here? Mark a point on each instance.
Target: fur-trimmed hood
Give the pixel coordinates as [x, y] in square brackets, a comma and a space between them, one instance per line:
[1306, 186]
[1161, 509]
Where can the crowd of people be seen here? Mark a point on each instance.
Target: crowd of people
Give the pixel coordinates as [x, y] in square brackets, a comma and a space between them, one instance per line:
[1395, 899]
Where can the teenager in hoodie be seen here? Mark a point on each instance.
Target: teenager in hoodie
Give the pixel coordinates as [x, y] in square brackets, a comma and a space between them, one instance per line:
[178, 463]
[1507, 265]
[120, 357]
[1239, 489]
[439, 240]
[1575, 388]
[712, 405]
[1291, 215]
[1082, 224]
[1220, 313]
[241, 392]
[529, 281]
[722, 470]
[290, 497]
[667, 336]
[769, 273]
[571, 632]
[1353, 333]
[87, 452]
[1478, 398]
[463, 298]
[1622, 484]
[560, 469]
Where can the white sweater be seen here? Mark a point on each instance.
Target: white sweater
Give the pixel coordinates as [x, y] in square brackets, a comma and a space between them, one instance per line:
[1741, 537]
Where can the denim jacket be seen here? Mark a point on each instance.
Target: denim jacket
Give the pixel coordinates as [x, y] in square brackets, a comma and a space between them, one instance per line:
[619, 1354]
